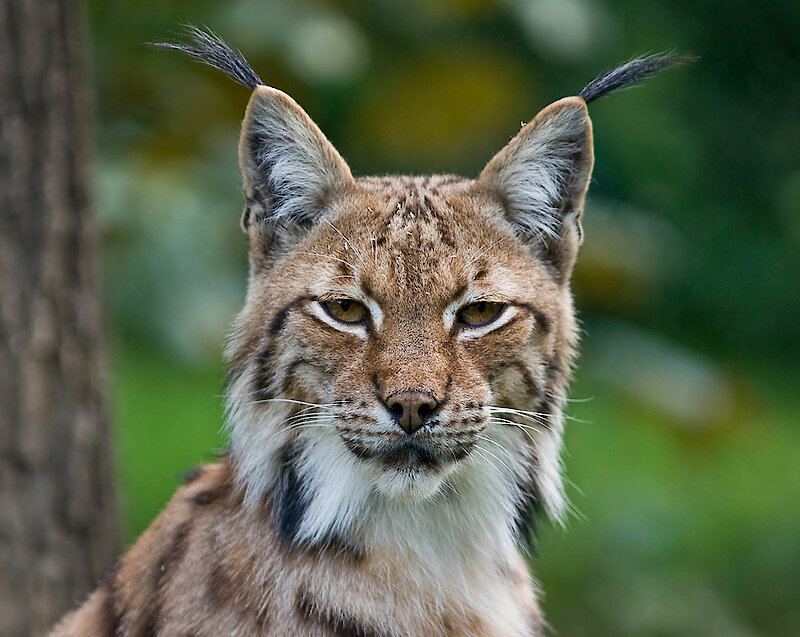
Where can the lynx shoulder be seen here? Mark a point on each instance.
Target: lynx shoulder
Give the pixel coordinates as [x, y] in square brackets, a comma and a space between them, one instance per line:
[397, 379]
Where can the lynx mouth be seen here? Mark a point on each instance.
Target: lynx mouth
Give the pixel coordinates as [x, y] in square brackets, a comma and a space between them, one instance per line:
[407, 452]
[410, 453]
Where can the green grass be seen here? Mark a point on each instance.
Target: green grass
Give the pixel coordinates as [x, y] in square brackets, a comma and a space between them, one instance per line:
[682, 533]
[168, 419]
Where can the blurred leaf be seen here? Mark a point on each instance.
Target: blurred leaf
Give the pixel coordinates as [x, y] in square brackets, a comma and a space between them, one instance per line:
[440, 113]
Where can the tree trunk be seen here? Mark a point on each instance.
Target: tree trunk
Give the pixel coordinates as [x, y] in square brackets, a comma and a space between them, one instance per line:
[58, 529]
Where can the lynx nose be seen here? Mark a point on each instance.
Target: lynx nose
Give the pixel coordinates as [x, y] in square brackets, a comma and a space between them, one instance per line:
[411, 409]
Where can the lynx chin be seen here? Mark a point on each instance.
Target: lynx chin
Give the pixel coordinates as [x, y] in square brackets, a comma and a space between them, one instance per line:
[396, 384]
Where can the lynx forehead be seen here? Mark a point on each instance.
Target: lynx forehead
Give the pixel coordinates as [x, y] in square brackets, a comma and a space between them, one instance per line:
[397, 379]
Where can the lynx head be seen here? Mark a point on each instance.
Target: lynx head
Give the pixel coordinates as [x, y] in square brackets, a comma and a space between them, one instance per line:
[406, 342]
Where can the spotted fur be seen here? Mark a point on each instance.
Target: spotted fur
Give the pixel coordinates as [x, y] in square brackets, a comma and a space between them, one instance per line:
[327, 518]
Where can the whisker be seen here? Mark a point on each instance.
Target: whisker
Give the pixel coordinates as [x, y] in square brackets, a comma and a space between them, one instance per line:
[521, 427]
[532, 414]
[479, 453]
[513, 423]
[309, 413]
[292, 422]
[304, 413]
[499, 460]
[495, 443]
[571, 508]
[328, 256]
[346, 241]
[241, 394]
[482, 454]
[296, 402]
[575, 486]
[471, 261]
[519, 411]
[452, 488]
[539, 420]
[307, 426]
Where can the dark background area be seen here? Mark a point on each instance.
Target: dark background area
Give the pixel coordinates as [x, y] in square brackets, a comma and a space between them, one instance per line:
[685, 448]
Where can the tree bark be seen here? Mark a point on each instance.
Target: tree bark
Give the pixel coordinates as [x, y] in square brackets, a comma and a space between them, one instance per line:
[58, 524]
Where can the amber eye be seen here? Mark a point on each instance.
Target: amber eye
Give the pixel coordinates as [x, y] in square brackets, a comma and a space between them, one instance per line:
[345, 310]
[481, 313]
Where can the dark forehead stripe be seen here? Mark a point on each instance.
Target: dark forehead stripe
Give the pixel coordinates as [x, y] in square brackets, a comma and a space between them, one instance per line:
[459, 292]
[394, 186]
[413, 213]
[413, 207]
[427, 208]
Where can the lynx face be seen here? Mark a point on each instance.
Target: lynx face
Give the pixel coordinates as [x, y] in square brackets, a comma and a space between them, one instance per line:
[404, 338]
[406, 313]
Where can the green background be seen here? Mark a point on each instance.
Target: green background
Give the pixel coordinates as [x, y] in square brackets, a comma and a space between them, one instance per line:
[684, 451]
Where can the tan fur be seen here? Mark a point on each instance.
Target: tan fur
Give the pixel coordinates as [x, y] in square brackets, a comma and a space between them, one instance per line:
[259, 544]
[208, 567]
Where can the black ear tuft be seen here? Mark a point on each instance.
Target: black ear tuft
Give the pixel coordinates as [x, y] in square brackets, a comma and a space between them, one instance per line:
[630, 73]
[209, 48]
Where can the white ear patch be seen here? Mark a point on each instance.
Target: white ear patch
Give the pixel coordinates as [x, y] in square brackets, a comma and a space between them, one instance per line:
[285, 158]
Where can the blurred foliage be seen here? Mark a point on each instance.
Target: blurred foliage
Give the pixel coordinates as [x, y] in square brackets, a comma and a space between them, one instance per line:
[687, 283]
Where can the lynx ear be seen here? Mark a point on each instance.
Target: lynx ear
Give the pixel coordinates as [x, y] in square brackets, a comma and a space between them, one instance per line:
[541, 178]
[291, 171]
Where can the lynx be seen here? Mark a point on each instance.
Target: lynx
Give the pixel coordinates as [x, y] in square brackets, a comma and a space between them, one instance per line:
[396, 386]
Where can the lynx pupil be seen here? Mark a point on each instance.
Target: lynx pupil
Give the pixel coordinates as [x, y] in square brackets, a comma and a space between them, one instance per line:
[346, 310]
[480, 313]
